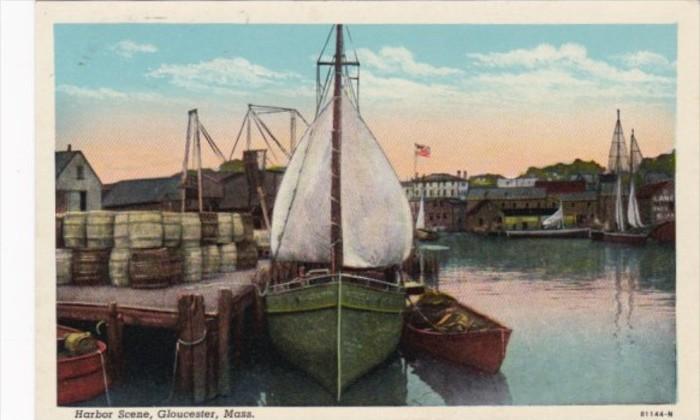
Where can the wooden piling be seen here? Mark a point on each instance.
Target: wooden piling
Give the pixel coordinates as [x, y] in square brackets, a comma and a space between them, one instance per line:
[224, 333]
[192, 358]
[115, 329]
[212, 359]
[238, 327]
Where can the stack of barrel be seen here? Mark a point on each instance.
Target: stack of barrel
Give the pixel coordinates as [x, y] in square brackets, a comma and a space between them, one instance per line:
[83, 244]
[151, 249]
[142, 256]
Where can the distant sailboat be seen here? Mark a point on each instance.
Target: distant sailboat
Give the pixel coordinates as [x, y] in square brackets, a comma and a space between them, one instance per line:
[340, 213]
[619, 164]
[422, 233]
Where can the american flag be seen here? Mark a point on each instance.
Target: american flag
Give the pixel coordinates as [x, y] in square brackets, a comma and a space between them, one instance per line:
[422, 150]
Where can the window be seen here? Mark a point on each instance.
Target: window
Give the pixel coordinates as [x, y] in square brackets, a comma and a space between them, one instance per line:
[80, 172]
[83, 200]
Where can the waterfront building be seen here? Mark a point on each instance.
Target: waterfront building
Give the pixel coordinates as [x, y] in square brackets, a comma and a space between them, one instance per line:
[516, 182]
[443, 214]
[580, 208]
[238, 196]
[163, 193]
[657, 202]
[78, 188]
[437, 185]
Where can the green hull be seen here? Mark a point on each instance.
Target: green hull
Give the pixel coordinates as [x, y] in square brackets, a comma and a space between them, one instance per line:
[304, 328]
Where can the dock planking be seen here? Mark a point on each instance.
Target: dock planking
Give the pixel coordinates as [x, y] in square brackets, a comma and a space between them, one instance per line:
[206, 315]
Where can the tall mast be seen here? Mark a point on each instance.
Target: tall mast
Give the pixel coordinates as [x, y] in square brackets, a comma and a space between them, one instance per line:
[336, 140]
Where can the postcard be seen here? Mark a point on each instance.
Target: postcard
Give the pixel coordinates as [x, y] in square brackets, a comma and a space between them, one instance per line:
[388, 209]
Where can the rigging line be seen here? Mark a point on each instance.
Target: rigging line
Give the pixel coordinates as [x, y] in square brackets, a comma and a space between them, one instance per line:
[302, 117]
[255, 120]
[211, 142]
[328, 38]
[238, 137]
[270, 134]
[294, 191]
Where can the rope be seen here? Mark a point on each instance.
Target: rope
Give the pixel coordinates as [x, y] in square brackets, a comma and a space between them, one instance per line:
[177, 355]
[104, 379]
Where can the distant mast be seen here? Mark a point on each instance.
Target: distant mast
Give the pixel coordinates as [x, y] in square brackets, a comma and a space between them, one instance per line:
[336, 140]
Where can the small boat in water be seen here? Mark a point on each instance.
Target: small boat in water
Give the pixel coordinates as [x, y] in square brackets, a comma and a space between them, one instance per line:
[628, 229]
[553, 228]
[440, 325]
[339, 212]
[422, 233]
[664, 232]
[81, 370]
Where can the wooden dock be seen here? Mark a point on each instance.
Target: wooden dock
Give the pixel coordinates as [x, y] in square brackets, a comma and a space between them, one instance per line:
[206, 316]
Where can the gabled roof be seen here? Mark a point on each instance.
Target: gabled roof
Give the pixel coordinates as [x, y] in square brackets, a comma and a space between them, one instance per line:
[648, 190]
[141, 191]
[64, 157]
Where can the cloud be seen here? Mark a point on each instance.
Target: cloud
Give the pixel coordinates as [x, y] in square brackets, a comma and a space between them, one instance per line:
[401, 60]
[128, 49]
[565, 73]
[647, 59]
[103, 93]
[223, 75]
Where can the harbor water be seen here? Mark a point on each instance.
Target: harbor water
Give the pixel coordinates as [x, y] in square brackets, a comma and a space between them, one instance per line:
[593, 323]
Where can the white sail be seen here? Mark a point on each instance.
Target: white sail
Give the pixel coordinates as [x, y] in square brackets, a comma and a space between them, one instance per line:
[556, 219]
[376, 218]
[633, 216]
[619, 212]
[420, 219]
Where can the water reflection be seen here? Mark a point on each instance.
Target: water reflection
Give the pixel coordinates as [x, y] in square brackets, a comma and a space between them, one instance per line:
[459, 385]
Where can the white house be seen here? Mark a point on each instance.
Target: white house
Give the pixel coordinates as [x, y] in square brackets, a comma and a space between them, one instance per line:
[78, 188]
[439, 185]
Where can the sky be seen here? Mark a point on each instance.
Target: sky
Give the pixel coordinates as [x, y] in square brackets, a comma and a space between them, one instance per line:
[485, 98]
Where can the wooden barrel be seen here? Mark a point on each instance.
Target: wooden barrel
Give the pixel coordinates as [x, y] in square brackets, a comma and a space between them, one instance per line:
[172, 229]
[192, 264]
[238, 228]
[191, 230]
[145, 229]
[211, 260]
[224, 228]
[119, 267]
[149, 268]
[246, 255]
[209, 227]
[121, 229]
[90, 267]
[59, 231]
[74, 229]
[228, 257]
[63, 265]
[176, 265]
[248, 228]
[99, 229]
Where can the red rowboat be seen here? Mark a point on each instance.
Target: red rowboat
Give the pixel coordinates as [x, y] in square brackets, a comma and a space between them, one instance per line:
[665, 232]
[80, 378]
[483, 349]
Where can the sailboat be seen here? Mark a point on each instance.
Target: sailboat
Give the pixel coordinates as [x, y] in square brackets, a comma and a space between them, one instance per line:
[553, 227]
[423, 233]
[637, 234]
[341, 215]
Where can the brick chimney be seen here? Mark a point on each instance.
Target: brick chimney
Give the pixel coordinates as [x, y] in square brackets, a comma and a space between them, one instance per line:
[70, 147]
[459, 174]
